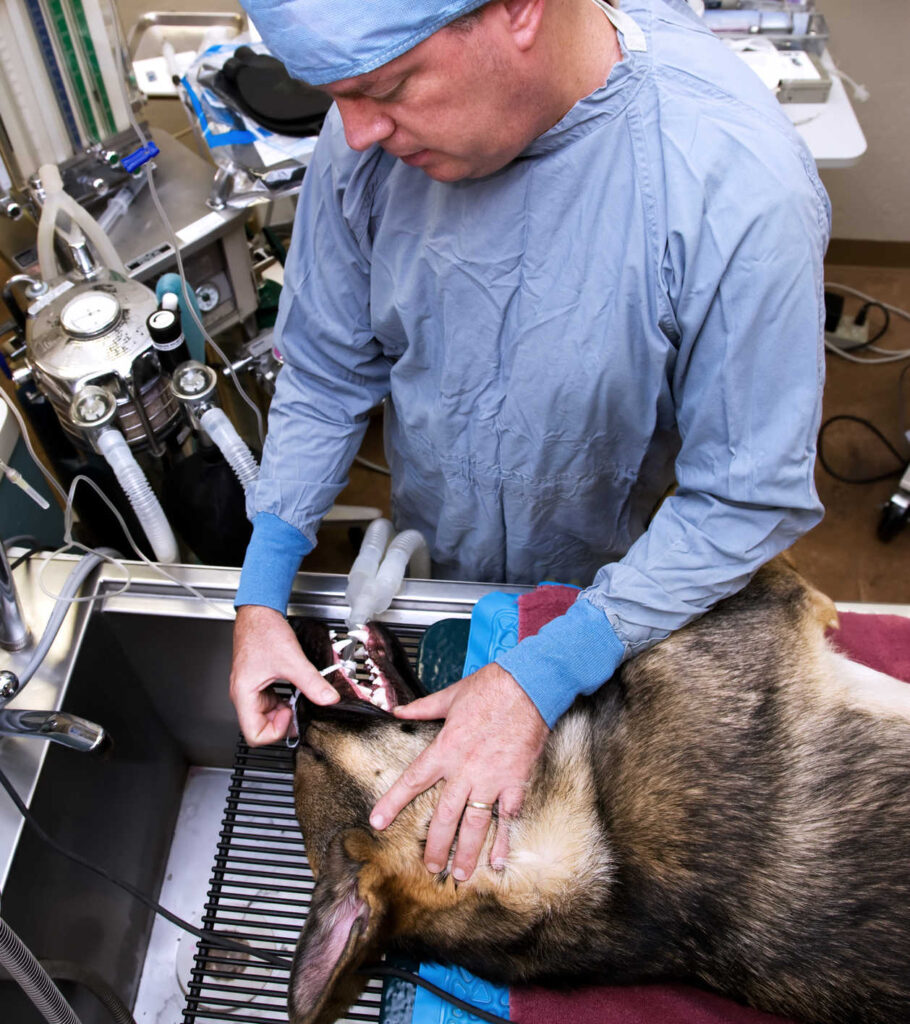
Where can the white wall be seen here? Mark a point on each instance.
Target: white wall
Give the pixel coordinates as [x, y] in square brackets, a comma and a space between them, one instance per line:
[870, 41]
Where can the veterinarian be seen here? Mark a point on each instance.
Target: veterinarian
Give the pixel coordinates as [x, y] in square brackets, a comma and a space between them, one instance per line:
[579, 251]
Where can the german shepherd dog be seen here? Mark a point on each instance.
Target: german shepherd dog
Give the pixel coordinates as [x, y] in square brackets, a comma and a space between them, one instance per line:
[731, 810]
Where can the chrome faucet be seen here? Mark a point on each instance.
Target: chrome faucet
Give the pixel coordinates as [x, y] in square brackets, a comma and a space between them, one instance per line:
[56, 726]
[14, 634]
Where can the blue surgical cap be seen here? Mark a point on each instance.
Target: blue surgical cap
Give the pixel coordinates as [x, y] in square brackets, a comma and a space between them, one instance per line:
[324, 40]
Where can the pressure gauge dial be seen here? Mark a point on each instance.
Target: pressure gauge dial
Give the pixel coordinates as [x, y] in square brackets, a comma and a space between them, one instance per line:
[208, 298]
[90, 314]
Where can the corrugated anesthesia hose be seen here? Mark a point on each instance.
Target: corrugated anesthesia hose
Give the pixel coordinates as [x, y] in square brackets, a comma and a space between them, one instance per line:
[375, 595]
[232, 446]
[58, 199]
[113, 446]
[33, 979]
[366, 564]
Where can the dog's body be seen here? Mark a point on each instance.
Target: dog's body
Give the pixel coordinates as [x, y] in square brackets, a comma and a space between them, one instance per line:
[733, 809]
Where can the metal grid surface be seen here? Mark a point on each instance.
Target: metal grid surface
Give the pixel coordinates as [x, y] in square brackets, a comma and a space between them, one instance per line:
[259, 893]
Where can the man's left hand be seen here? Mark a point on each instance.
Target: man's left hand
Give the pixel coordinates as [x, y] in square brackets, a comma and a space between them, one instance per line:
[484, 752]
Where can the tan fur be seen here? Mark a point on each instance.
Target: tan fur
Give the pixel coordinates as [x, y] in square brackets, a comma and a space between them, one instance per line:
[710, 814]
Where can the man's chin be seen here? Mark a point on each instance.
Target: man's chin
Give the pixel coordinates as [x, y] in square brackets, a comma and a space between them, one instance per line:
[446, 174]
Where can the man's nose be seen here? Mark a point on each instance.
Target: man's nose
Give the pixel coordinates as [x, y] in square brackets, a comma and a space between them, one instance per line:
[364, 123]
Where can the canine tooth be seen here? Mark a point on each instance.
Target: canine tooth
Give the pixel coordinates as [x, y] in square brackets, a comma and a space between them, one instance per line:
[339, 645]
[359, 634]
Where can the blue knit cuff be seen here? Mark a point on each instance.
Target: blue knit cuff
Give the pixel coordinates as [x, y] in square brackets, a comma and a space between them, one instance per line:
[573, 654]
[272, 560]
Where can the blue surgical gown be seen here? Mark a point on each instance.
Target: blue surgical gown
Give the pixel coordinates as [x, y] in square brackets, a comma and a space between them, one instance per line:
[636, 301]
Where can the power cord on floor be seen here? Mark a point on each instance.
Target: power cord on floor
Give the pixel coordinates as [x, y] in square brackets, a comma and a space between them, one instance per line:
[220, 941]
[872, 355]
[844, 417]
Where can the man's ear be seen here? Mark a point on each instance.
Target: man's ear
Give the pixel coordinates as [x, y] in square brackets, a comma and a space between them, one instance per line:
[524, 20]
[340, 932]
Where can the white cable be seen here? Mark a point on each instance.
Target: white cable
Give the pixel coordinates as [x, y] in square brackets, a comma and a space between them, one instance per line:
[23, 430]
[172, 237]
[70, 542]
[860, 92]
[880, 355]
[374, 466]
[868, 298]
[68, 525]
[175, 245]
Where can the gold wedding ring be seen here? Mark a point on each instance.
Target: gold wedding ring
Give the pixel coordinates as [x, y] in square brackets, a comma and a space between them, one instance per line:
[480, 805]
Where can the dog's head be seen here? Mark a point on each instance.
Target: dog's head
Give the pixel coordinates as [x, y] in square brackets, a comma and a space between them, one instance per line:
[349, 754]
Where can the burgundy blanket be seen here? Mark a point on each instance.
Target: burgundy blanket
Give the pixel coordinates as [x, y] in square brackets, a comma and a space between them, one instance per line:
[879, 641]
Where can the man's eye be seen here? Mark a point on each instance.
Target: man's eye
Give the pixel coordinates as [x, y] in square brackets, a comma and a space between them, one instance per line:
[391, 94]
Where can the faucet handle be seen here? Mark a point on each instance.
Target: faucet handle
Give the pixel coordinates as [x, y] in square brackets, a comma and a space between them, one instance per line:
[9, 685]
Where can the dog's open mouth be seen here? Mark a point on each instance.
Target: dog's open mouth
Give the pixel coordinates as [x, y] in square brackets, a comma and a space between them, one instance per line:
[371, 681]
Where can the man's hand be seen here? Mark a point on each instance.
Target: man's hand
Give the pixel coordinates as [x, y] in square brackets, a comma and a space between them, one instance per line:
[265, 650]
[492, 736]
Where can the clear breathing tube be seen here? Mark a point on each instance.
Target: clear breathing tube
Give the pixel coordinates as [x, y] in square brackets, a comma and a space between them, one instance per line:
[373, 583]
[113, 446]
[58, 200]
[231, 445]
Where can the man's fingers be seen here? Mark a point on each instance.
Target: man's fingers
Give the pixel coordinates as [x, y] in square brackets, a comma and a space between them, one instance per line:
[312, 685]
[429, 708]
[266, 650]
[444, 825]
[475, 824]
[510, 801]
[418, 777]
[263, 718]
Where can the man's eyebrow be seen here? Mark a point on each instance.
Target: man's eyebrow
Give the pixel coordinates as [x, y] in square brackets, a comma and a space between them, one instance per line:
[363, 87]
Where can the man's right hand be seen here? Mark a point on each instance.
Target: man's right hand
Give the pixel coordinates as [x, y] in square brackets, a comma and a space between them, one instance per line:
[266, 650]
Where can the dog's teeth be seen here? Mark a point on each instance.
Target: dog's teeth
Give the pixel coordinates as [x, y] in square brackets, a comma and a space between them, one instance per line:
[339, 645]
[359, 634]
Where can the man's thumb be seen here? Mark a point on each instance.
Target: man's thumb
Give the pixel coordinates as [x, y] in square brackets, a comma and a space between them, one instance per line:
[433, 706]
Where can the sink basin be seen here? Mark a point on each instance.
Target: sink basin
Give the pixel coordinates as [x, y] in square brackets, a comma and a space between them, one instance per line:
[151, 666]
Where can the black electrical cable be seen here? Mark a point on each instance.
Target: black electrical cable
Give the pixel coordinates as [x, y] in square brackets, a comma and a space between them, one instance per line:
[219, 941]
[23, 540]
[25, 556]
[860, 319]
[213, 938]
[869, 426]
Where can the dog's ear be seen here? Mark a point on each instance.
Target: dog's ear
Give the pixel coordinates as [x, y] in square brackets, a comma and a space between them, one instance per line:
[340, 932]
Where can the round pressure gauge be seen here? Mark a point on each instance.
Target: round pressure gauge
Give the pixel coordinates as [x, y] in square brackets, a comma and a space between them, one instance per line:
[90, 314]
[208, 298]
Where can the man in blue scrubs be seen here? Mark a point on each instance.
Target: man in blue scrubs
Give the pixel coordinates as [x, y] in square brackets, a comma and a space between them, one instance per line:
[579, 250]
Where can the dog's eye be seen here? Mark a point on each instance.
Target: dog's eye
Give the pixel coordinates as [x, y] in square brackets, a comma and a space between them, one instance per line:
[304, 750]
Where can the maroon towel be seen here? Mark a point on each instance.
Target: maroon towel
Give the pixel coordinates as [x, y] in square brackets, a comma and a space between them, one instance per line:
[878, 641]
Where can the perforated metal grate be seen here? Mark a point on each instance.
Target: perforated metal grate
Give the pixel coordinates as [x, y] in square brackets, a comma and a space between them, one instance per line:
[259, 893]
